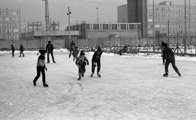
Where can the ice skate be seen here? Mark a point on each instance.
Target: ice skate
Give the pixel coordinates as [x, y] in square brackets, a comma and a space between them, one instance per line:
[79, 78]
[165, 75]
[92, 75]
[179, 74]
[45, 85]
[34, 83]
[98, 74]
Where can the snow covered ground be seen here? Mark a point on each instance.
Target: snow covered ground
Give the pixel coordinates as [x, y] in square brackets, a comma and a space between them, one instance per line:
[131, 88]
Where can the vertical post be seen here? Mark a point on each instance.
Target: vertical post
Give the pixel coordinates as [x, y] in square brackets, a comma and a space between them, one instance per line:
[47, 21]
[177, 47]
[168, 33]
[153, 28]
[69, 13]
[97, 14]
[185, 29]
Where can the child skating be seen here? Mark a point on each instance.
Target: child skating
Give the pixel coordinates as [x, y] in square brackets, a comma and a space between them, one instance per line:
[81, 62]
[41, 67]
[169, 57]
[96, 61]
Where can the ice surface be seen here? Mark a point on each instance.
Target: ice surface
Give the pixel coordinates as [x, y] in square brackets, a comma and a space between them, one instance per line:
[131, 88]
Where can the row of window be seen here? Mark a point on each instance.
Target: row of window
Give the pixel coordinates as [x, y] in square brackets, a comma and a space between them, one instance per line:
[167, 14]
[10, 31]
[105, 27]
[10, 25]
[170, 8]
[172, 20]
[9, 13]
[179, 26]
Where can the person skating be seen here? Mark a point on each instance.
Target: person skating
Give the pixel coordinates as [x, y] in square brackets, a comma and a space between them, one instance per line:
[13, 50]
[41, 67]
[21, 50]
[49, 50]
[96, 61]
[72, 48]
[169, 57]
[75, 53]
[81, 62]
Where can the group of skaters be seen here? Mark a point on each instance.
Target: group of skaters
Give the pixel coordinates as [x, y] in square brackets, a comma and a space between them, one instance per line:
[81, 61]
[21, 50]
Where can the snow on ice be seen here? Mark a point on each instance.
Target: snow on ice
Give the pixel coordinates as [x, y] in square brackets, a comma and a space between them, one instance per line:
[131, 88]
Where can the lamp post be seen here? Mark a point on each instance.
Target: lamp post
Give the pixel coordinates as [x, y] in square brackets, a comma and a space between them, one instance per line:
[185, 29]
[69, 13]
[153, 27]
[97, 14]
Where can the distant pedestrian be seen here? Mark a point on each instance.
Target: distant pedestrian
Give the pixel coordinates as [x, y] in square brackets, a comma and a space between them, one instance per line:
[72, 48]
[13, 50]
[41, 67]
[169, 57]
[96, 61]
[163, 50]
[21, 50]
[81, 62]
[49, 50]
[75, 53]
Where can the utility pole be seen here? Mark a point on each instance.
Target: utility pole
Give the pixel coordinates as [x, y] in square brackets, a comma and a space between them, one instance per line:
[168, 32]
[153, 28]
[97, 14]
[47, 21]
[69, 13]
[185, 29]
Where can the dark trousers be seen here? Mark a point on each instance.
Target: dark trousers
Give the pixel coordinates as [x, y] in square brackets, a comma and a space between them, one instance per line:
[163, 58]
[98, 66]
[42, 71]
[173, 65]
[12, 53]
[21, 53]
[48, 59]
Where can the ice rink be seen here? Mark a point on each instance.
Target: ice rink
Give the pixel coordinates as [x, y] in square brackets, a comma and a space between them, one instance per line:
[131, 88]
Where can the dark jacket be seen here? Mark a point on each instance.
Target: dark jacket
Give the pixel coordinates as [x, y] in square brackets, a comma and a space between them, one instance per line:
[21, 48]
[49, 47]
[168, 54]
[97, 56]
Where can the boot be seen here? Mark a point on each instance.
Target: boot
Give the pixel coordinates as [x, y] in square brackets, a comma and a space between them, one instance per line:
[92, 75]
[45, 85]
[165, 75]
[179, 74]
[34, 83]
[98, 74]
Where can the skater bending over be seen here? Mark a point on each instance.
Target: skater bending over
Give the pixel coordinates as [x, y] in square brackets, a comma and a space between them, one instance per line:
[169, 57]
[81, 62]
[41, 67]
[96, 61]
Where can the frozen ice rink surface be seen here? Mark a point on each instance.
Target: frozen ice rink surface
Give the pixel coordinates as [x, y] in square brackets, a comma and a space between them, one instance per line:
[131, 88]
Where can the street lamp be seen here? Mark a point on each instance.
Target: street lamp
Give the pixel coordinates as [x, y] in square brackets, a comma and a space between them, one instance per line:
[153, 28]
[97, 14]
[69, 13]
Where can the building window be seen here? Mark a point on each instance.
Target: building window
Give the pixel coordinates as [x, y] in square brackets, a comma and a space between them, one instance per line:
[114, 26]
[105, 26]
[7, 19]
[123, 26]
[96, 26]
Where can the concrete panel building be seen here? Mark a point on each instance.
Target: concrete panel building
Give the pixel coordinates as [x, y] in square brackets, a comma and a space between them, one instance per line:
[166, 15]
[10, 24]
[137, 13]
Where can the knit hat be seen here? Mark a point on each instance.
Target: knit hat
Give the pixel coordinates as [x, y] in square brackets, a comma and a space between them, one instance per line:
[82, 52]
[42, 51]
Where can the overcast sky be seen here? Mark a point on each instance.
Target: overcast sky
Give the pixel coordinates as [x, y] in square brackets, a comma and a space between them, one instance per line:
[82, 10]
